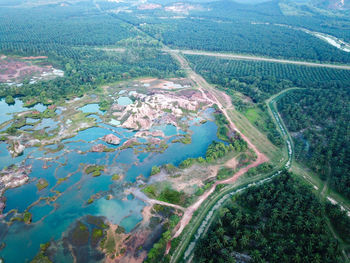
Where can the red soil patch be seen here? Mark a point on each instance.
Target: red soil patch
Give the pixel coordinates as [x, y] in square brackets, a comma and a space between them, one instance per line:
[261, 158]
[16, 70]
[232, 163]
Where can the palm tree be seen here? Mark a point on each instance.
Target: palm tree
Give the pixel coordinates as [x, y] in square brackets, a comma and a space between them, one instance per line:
[235, 222]
[256, 255]
[244, 240]
[257, 234]
[297, 258]
[307, 225]
[220, 232]
[317, 258]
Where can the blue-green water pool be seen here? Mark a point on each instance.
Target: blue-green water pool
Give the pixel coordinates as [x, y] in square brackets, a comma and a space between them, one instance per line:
[51, 219]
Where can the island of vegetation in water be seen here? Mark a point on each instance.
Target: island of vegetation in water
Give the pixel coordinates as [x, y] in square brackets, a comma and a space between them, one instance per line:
[162, 131]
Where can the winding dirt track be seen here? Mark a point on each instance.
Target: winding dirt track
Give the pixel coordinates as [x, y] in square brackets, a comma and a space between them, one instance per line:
[255, 58]
[261, 158]
[213, 95]
[141, 196]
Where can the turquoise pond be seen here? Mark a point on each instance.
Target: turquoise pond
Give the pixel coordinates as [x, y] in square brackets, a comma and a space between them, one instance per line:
[91, 108]
[169, 130]
[6, 111]
[47, 124]
[114, 122]
[51, 221]
[124, 101]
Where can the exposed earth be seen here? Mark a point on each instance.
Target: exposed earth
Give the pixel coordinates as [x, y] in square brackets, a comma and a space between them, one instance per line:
[146, 116]
[16, 70]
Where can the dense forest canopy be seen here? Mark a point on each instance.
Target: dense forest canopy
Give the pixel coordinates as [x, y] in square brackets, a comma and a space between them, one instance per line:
[279, 221]
[71, 36]
[248, 38]
[260, 80]
[320, 123]
[73, 25]
[253, 29]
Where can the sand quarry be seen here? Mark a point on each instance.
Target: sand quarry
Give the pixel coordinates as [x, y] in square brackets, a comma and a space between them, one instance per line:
[16, 70]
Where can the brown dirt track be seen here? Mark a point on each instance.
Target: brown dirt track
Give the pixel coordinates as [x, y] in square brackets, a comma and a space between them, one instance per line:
[15, 70]
[215, 97]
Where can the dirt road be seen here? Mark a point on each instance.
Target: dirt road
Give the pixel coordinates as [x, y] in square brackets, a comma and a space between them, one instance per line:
[214, 96]
[141, 196]
[186, 218]
[256, 58]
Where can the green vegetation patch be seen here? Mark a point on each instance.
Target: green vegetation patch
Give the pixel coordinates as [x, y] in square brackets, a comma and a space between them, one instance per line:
[27, 217]
[260, 117]
[156, 254]
[94, 170]
[185, 139]
[280, 221]
[120, 230]
[150, 190]
[252, 115]
[42, 184]
[202, 189]
[222, 124]
[57, 149]
[165, 193]
[61, 180]
[96, 221]
[158, 148]
[225, 173]
[80, 234]
[339, 220]
[155, 170]
[41, 257]
[260, 169]
[172, 196]
[105, 105]
[109, 245]
[116, 177]
[170, 168]
[217, 150]
[187, 163]
[97, 235]
[9, 100]
[16, 124]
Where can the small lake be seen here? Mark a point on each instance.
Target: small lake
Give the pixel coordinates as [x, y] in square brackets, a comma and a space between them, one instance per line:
[114, 122]
[124, 101]
[47, 124]
[168, 130]
[53, 219]
[91, 108]
[6, 111]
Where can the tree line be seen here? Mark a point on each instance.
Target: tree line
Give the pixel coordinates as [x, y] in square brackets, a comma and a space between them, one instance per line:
[280, 221]
[320, 124]
[70, 36]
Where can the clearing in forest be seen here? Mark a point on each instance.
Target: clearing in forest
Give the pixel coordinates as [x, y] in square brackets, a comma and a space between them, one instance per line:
[16, 70]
